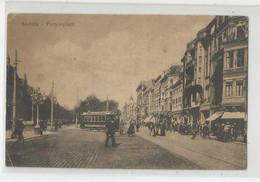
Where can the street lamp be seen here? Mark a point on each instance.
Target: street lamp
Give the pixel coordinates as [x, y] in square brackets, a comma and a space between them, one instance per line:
[38, 98]
[53, 101]
[33, 102]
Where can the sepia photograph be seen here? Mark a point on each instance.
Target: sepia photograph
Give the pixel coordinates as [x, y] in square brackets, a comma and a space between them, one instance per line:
[118, 91]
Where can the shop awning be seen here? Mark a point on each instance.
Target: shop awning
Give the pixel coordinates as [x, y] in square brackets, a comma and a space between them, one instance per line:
[233, 115]
[149, 119]
[215, 116]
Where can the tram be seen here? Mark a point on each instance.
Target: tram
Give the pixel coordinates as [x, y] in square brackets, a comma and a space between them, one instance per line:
[97, 120]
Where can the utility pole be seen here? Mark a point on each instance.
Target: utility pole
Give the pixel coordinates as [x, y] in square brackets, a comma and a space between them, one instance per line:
[33, 92]
[107, 107]
[14, 95]
[77, 107]
[52, 102]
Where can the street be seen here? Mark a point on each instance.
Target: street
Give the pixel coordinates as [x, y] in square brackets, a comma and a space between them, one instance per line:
[78, 148]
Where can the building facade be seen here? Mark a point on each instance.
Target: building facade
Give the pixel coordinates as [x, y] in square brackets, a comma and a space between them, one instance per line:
[215, 69]
[23, 100]
[129, 111]
[212, 78]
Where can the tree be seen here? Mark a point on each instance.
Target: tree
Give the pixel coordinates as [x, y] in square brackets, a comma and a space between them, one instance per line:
[92, 103]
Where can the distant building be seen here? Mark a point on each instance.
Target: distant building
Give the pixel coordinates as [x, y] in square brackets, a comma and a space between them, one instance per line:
[129, 111]
[176, 100]
[23, 100]
[144, 100]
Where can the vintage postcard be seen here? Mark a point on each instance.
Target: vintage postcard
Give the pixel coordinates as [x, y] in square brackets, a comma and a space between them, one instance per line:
[127, 91]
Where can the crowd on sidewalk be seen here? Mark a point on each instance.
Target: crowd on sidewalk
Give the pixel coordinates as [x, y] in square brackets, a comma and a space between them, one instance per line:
[222, 132]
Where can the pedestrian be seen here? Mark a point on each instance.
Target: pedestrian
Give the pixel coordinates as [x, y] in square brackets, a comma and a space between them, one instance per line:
[41, 123]
[131, 130]
[110, 133]
[56, 125]
[60, 123]
[122, 125]
[194, 132]
[205, 131]
[151, 128]
[137, 126]
[227, 133]
[19, 131]
[163, 127]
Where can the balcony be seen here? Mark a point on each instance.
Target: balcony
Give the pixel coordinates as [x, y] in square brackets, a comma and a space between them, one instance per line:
[238, 70]
[233, 100]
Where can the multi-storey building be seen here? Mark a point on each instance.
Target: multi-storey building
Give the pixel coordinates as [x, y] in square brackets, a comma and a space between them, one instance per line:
[235, 65]
[215, 69]
[171, 76]
[154, 97]
[176, 97]
[129, 111]
[144, 99]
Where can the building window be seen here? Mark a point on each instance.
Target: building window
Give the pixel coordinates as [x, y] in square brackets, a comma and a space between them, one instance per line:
[199, 69]
[225, 36]
[230, 59]
[231, 33]
[207, 68]
[170, 107]
[240, 58]
[239, 88]
[241, 31]
[229, 90]
[200, 52]
[220, 42]
[215, 44]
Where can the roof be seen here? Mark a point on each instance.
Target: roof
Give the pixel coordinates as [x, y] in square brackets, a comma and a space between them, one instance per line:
[146, 84]
[173, 70]
[176, 84]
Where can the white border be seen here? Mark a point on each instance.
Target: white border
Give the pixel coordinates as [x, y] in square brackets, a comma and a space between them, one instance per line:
[40, 174]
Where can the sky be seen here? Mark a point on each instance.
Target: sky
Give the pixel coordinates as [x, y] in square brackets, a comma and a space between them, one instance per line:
[105, 55]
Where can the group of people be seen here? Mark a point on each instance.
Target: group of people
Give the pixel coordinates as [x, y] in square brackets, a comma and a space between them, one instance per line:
[157, 128]
[227, 131]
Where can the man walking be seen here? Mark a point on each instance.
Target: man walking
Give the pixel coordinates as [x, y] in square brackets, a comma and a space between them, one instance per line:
[110, 133]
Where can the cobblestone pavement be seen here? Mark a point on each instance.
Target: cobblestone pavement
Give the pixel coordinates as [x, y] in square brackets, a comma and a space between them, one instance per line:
[207, 153]
[77, 148]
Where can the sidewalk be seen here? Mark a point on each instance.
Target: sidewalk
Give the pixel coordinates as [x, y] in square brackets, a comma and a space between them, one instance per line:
[207, 153]
[29, 133]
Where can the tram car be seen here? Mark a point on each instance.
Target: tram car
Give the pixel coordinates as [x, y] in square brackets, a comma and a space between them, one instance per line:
[98, 120]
